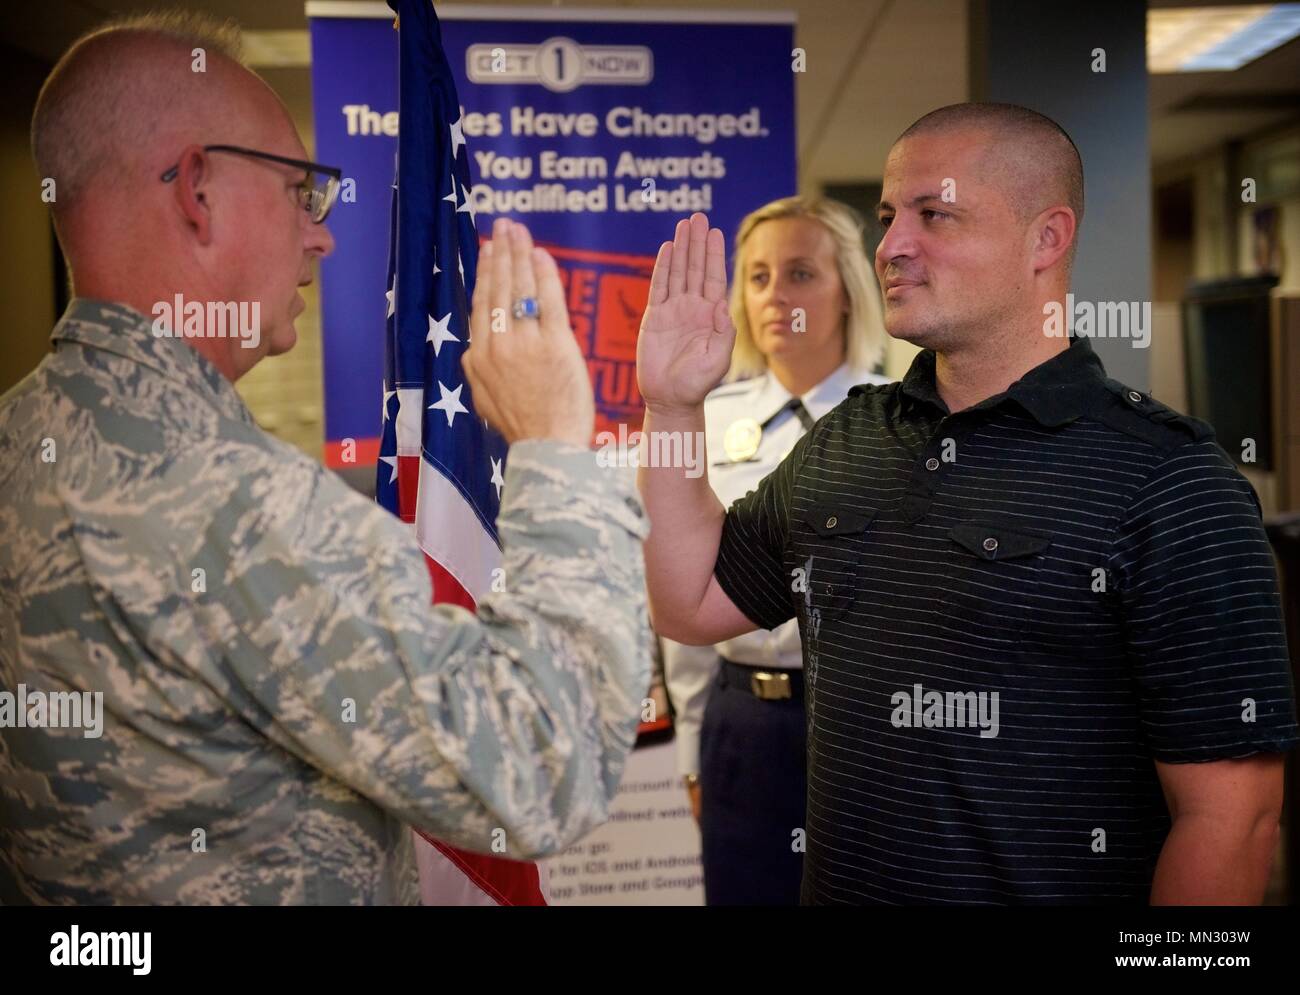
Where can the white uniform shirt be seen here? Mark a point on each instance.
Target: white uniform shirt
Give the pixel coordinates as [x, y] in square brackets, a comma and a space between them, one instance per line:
[689, 671]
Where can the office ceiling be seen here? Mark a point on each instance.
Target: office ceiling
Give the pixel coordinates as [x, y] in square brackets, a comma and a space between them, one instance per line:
[873, 67]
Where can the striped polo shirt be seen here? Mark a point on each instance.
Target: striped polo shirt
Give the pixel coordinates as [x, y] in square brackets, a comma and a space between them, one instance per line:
[1008, 614]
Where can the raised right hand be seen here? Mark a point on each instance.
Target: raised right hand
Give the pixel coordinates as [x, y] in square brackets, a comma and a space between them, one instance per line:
[527, 375]
[686, 334]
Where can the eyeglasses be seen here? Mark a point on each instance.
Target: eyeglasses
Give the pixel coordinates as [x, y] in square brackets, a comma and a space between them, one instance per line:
[316, 193]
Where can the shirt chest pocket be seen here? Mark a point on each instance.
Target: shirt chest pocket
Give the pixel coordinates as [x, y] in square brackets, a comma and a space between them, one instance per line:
[830, 544]
[992, 576]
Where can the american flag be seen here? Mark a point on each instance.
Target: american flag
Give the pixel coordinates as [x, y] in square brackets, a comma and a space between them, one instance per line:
[440, 467]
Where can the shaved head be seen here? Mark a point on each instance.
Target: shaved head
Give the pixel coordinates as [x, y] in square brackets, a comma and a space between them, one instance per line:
[1029, 156]
[981, 206]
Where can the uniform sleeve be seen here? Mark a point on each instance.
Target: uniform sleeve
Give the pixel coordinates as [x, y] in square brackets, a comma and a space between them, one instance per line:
[517, 719]
[689, 673]
[750, 566]
[1199, 595]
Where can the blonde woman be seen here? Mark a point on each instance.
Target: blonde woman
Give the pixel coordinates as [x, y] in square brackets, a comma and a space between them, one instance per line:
[806, 307]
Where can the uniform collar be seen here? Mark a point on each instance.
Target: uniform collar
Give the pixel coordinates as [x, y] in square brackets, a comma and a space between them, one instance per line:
[770, 396]
[116, 328]
[835, 388]
[1054, 392]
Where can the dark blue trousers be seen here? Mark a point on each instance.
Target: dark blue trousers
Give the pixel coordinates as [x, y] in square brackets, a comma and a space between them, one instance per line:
[753, 782]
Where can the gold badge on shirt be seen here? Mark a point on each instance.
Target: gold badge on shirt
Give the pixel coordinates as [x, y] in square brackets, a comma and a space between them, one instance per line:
[742, 439]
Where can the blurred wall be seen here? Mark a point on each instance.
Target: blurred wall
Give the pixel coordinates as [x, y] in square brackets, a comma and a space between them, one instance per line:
[27, 278]
[1084, 66]
[1214, 235]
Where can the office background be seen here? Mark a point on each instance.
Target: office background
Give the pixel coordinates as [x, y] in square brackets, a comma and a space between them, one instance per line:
[1167, 151]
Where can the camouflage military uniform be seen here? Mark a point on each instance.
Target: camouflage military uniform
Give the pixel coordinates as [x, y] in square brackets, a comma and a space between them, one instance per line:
[229, 596]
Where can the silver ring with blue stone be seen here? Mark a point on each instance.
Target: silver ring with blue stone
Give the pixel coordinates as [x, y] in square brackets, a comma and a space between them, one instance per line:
[527, 307]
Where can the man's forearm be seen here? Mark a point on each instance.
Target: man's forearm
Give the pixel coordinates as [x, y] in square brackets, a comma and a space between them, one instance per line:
[564, 664]
[685, 526]
[1209, 860]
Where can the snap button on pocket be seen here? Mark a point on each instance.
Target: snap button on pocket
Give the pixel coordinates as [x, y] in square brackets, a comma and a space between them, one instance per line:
[833, 520]
[829, 548]
[991, 582]
[990, 541]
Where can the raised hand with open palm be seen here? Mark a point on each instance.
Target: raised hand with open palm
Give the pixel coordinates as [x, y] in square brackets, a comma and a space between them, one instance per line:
[686, 334]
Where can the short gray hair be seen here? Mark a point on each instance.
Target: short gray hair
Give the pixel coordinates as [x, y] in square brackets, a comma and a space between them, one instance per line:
[88, 110]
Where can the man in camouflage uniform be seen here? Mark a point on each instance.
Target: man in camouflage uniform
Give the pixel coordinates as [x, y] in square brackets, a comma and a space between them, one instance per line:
[279, 700]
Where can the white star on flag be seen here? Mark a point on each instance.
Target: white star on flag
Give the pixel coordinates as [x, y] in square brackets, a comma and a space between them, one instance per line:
[388, 395]
[457, 136]
[439, 332]
[391, 461]
[390, 295]
[449, 403]
[446, 492]
[497, 479]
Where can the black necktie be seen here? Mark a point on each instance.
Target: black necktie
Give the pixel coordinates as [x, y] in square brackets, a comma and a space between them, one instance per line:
[795, 405]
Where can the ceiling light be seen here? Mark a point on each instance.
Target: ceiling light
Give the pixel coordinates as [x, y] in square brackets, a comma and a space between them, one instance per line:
[1207, 39]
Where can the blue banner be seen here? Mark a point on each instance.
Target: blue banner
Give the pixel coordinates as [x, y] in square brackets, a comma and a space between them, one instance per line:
[597, 134]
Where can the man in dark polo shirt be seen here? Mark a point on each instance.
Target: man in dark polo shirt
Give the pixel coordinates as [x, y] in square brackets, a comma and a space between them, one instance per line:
[1043, 641]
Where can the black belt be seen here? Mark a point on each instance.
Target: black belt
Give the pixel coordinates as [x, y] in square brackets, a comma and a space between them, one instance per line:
[767, 683]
